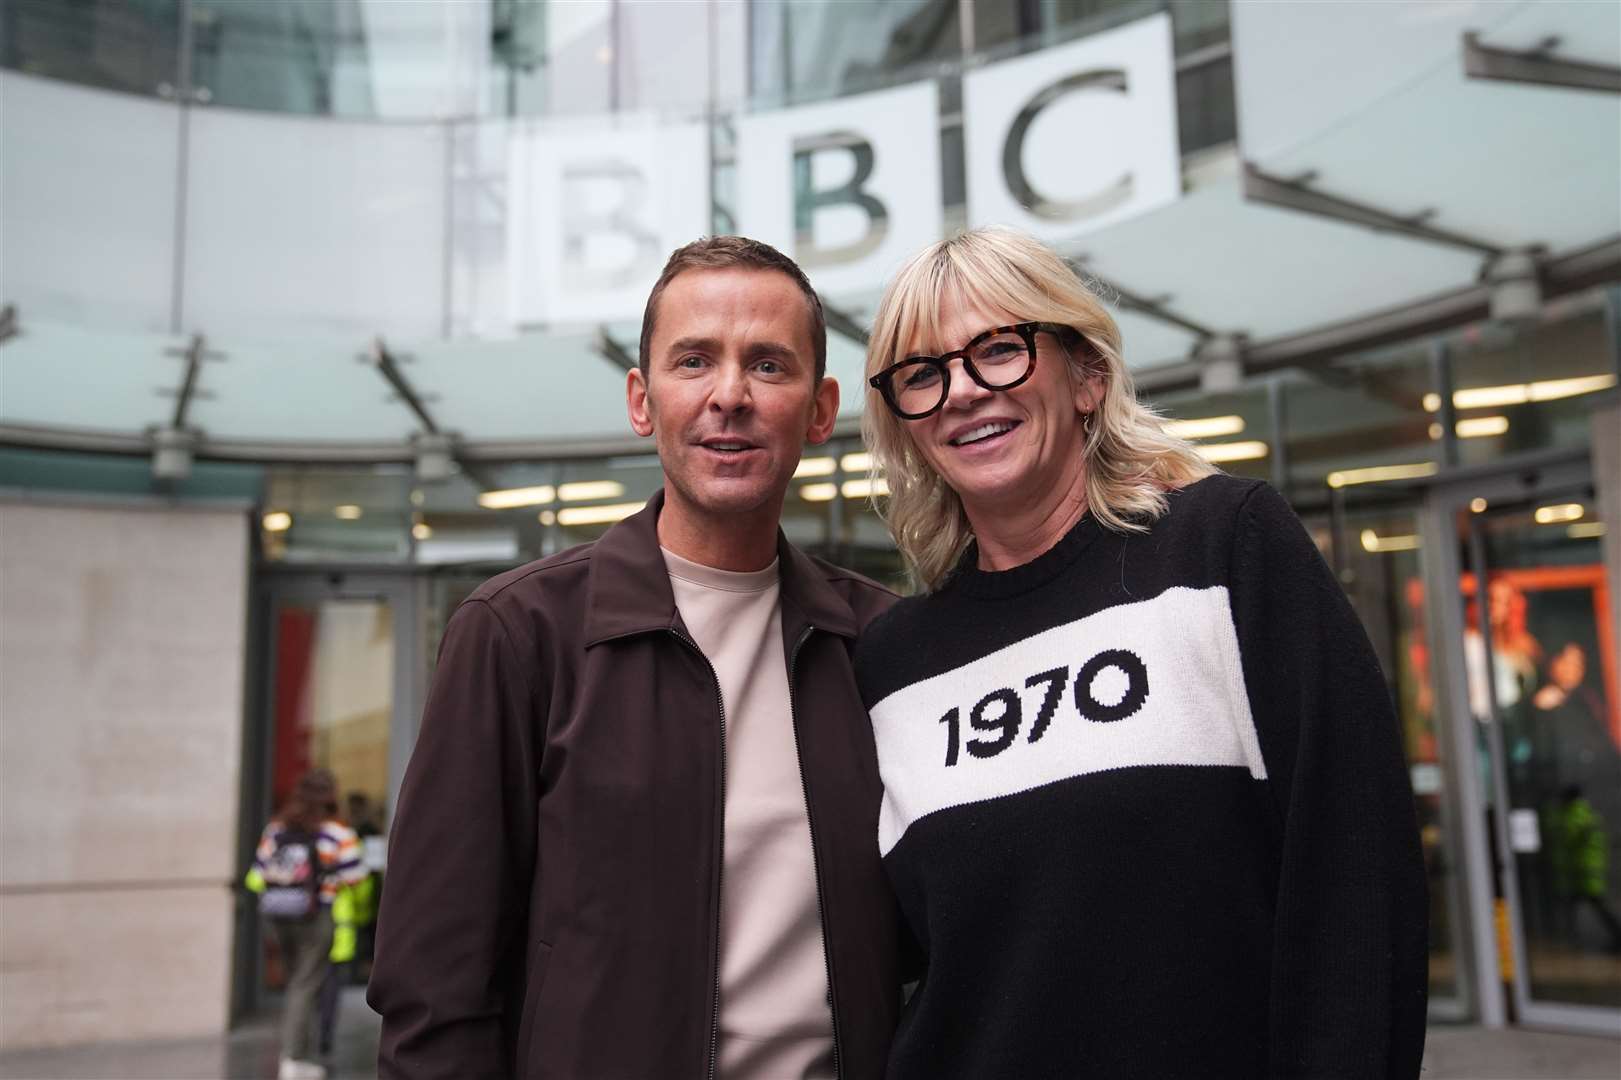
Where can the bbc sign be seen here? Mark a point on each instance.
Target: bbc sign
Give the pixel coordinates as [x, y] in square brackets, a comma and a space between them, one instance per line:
[1058, 143]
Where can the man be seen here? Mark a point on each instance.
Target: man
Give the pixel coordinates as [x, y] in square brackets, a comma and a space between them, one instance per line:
[636, 836]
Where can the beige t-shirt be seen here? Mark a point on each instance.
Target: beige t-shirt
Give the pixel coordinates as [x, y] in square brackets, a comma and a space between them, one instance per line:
[775, 1021]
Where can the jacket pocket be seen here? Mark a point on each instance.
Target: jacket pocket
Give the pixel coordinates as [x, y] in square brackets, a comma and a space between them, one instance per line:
[540, 954]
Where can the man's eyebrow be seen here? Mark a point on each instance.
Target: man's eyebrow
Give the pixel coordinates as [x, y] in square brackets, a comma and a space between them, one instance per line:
[712, 345]
[693, 344]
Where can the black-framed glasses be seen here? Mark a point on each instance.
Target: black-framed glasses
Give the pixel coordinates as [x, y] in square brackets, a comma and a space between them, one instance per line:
[999, 359]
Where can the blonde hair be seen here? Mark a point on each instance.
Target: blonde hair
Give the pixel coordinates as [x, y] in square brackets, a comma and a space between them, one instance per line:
[1131, 461]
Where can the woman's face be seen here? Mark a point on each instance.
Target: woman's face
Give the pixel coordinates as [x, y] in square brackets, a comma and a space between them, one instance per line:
[1004, 449]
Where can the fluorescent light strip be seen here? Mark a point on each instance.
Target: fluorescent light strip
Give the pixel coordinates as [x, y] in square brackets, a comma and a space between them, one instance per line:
[1377, 473]
[815, 466]
[1559, 513]
[1476, 427]
[1586, 530]
[597, 515]
[1232, 451]
[1490, 397]
[1209, 427]
[1373, 542]
[509, 498]
[586, 490]
[854, 463]
[348, 512]
[277, 521]
[818, 492]
[865, 489]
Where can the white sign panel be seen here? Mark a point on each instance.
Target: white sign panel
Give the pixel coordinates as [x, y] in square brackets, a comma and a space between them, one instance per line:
[593, 214]
[1073, 138]
[848, 189]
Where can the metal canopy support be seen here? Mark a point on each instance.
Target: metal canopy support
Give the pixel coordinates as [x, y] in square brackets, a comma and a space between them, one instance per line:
[194, 355]
[842, 322]
[1298, 194]
[1537, 67]
[388, 367]
[613, 352]
[1155, 307]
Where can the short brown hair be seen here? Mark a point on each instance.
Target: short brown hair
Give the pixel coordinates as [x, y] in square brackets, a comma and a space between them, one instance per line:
[729, 253]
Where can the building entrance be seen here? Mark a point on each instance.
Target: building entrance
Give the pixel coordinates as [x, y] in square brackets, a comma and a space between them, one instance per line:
[334, 689]
[1532, 700]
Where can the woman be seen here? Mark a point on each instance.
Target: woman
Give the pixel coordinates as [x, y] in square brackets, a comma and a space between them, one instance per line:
[1145, 807]
[304, 857]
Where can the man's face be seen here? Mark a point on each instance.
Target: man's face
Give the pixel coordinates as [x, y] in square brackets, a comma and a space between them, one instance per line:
[731, 395]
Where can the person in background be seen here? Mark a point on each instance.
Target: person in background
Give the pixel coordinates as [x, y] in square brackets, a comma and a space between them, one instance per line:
[1145, 807]
[351, 912]
[305, 856]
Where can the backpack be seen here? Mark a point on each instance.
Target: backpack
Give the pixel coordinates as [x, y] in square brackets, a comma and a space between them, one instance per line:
[292, 875]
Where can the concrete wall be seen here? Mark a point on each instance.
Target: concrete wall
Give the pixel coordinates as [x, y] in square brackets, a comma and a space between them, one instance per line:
[122, 640]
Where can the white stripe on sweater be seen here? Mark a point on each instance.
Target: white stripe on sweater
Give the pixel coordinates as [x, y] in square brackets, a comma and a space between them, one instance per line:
[1175, 657]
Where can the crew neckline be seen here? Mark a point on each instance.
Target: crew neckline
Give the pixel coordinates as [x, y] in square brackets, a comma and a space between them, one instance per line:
[970, 580]
[709, 577]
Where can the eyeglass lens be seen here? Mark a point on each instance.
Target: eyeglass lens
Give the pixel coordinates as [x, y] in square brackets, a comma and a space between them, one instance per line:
[999, 361]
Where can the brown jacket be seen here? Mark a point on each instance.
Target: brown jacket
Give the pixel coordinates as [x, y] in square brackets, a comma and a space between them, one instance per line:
[553, 889]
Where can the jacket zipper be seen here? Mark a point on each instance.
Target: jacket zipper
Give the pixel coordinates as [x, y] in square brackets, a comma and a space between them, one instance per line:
[816, 861]
[720, 864]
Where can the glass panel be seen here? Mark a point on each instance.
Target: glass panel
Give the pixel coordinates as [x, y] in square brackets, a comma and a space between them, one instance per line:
[1530, 387]
[337, 515]
[1232, 430]
[1553, 682]
[805, 50]
[332, 706]
[1353, 416]
[130, 45]
[1379, 560]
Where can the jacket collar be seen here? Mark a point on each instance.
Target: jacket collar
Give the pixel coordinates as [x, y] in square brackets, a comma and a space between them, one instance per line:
[628, 587]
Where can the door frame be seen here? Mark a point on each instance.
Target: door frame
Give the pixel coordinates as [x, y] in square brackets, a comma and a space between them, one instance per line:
[272, 587]
[1447, 500]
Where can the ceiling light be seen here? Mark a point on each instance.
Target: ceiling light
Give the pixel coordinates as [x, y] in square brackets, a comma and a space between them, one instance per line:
[548, 518]
[585, 490]
[1586, 530]
[1209, 427]
[422, 530]
[348, 512]
[1377, 473]
[1492, 397]
[865, 488]
[1559, 513]
[861, 462]
[277, 521]
[1233, 451]
[814, 466]
[1478, 505]
[818, 492]
[1476, 427]
[597, 515]
[1372, 541]
[509, 498]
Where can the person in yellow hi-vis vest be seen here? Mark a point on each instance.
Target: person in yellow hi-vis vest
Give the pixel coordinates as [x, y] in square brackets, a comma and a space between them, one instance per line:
[351, 910]
[304, 860]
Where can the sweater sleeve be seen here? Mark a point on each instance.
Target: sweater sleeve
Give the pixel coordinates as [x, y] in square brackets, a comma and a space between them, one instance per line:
[1350, 953]
[453, 917]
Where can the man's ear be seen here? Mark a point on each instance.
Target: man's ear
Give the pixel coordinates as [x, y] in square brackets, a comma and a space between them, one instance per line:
[637, 403]
[824, 412]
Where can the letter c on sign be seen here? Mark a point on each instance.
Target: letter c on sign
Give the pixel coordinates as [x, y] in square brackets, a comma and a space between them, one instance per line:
[1111, 79]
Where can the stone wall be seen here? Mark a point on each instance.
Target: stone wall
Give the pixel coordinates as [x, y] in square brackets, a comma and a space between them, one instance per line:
[122, 641]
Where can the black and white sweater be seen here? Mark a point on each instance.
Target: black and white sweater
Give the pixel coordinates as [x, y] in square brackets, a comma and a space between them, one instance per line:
[1146, 810]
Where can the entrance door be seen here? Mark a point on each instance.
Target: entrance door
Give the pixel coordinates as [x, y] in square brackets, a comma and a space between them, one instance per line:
[336, 691]
[1537, 708]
